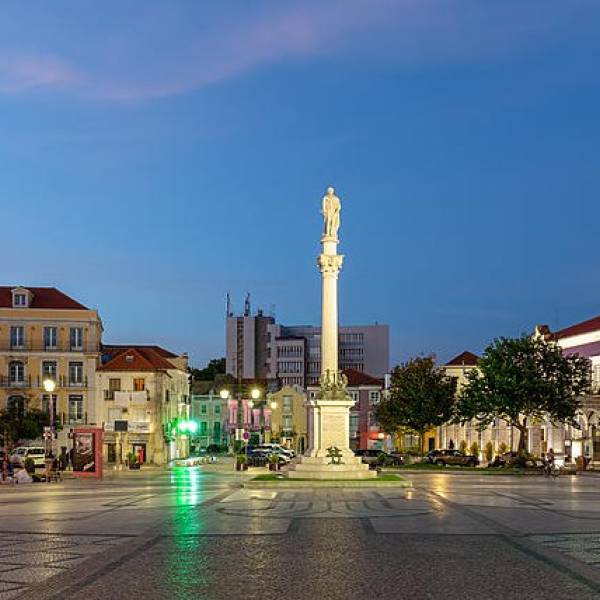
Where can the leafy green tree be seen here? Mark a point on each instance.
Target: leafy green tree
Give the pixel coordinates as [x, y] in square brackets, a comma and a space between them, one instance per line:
[474, 449]
[462, 447]
[16, 425]
[215, 366]
[519, 380]
[421, 397]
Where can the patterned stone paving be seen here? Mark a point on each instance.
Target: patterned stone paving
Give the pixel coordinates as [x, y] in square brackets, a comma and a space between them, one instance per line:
[582, 547]
[27, 558]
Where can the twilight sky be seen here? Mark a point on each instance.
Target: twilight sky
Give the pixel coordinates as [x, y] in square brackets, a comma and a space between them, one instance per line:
[155, 155]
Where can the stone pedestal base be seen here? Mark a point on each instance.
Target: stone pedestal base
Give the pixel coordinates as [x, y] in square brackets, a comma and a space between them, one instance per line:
[319, 468]
[329, 427]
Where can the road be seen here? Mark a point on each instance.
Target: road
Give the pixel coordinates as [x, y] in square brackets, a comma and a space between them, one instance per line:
[190, 533]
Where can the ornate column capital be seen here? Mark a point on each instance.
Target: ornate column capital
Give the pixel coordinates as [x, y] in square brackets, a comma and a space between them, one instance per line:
[330, 264]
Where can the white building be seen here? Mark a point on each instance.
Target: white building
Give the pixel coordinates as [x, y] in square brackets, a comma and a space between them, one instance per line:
[143, 393]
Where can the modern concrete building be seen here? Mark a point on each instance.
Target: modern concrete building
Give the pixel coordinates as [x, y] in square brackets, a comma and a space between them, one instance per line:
[45, 333]
[142, 394]
[259, 348]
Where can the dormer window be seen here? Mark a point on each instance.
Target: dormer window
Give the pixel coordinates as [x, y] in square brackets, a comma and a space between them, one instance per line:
[21, 297]
[129, 358]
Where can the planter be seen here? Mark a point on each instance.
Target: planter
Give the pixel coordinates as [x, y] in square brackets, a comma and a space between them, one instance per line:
[273, 467]
[241, 466]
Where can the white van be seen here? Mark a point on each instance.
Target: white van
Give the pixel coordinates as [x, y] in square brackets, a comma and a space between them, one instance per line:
[37, 453]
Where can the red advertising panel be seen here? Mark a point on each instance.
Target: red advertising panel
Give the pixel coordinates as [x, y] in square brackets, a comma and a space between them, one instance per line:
[87, 452]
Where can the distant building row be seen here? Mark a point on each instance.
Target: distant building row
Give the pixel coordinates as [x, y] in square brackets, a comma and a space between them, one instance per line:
[258, 348]
[135, 393]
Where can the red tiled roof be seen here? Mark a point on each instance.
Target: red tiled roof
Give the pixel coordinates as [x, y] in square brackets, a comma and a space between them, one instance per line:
[137, 358]
[356, 378]
[578, 328]
[116, 348]
[465, 358]
[43, 297]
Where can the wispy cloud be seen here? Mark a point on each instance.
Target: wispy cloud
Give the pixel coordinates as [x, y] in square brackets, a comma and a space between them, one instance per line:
[28, 72]
[168, 51]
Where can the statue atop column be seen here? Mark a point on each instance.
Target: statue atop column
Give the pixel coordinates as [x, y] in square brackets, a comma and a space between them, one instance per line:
[331, 213]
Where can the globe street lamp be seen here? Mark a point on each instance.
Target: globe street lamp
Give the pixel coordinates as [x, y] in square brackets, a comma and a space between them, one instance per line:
[49, 386]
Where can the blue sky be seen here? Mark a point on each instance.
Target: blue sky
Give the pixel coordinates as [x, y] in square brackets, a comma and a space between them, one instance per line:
[155, 155]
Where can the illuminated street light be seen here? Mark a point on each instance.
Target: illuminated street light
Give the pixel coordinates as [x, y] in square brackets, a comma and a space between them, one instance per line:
[49, 386]
[273, 405]
[224, 394]
[255, 393]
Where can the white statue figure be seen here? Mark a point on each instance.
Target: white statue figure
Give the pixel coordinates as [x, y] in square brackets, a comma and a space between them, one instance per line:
[331, 213]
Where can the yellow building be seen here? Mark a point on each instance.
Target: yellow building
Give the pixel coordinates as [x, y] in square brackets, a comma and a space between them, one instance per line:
[142, 395]
[45, 333]
[288, 418]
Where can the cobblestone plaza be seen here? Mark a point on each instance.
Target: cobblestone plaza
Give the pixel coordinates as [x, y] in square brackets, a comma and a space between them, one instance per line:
[191, 533]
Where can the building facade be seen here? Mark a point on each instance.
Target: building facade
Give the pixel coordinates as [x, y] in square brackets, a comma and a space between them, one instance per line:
[46, 334]
[210, 413]
[289, 418]
[142, 396]
[259, 348]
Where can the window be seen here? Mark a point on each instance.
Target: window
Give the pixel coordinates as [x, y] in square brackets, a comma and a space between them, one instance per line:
[354, 396]
[17, 336]
[217, 409]
[16, 371]
[76, 372]
[139, 384]
[16, 403]
[50, 337]
[46, 404]
[114, 384]
[75, 409]
[49, 369]
[216, 432]
[374, 397]
[286, 422]
[203, 427]
[354, 419]
[76, 338]
[287, 403]
[20, 300]
[203, 409]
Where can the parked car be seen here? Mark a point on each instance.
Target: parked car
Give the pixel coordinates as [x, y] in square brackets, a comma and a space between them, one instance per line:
[514, 459]
[18, 455]
[432, 455]
[455, 457]
[276, 448]
[264, 453]
[378, 457]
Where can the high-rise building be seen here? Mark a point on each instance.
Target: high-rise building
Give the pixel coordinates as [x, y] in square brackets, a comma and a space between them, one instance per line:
[260, 348]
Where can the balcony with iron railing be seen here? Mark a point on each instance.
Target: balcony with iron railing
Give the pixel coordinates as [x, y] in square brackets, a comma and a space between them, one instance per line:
[38, 382]
[42, 347]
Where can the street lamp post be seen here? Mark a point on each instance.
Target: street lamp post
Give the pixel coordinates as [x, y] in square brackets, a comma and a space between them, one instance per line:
[49, 387]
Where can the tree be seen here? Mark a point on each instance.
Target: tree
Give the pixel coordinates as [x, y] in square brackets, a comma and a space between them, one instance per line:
[16, 425]
[519, 380]
[215, 366]
[421, 397]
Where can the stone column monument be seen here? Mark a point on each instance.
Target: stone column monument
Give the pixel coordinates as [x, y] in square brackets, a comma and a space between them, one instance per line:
[328, 455]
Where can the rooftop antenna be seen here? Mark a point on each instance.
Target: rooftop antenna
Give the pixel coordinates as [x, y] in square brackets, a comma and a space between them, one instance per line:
[228, 312]
[247, 306]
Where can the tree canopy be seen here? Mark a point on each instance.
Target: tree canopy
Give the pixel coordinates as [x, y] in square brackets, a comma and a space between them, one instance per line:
[523, 379]
[16, 425]
[421, 396]
[215, 366]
